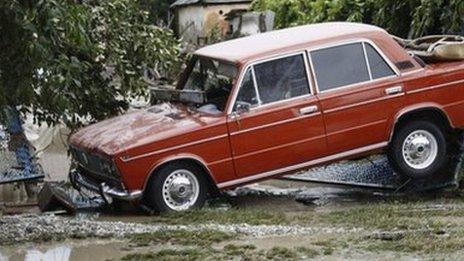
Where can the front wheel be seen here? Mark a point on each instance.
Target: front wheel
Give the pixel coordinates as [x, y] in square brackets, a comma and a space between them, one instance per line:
[418, 150]
[177, 186]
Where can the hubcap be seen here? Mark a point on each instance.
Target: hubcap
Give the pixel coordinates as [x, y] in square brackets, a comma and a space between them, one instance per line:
[420, 149]
[180, 190]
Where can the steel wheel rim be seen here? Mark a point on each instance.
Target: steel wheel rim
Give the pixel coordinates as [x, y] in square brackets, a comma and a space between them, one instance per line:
[180, 190]
[420, 149]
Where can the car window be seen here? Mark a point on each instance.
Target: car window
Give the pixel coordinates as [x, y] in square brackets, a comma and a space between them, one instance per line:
[247, 92]
[281, 79]
[212, 80]
[379, 67]
[339, 66]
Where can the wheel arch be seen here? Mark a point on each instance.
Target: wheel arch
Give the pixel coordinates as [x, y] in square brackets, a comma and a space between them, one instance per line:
[197, 161]
[421, 111]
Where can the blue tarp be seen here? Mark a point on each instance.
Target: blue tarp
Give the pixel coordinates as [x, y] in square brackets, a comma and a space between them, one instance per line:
[16, 155]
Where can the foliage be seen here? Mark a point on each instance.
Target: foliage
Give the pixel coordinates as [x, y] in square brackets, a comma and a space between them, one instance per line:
[158, 10]
[411, 17]
[63, 59]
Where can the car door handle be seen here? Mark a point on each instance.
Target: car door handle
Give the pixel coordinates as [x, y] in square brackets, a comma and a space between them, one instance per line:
[308, 110]
[393, 90]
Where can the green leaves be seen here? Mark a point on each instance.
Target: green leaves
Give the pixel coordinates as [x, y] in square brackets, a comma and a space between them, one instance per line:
[66, 61]
[403, 18]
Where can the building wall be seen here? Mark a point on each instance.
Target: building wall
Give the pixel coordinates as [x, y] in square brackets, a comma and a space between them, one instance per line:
[198, 20]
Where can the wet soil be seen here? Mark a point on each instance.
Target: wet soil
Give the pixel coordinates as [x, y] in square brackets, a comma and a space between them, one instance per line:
[305, 202]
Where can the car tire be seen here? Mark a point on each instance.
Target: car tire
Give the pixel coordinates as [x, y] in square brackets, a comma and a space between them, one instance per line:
[418, 150]
[177, 186]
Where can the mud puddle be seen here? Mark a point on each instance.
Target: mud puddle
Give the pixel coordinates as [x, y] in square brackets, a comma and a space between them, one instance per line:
[68, 250]
[304, 196]
[287, 196]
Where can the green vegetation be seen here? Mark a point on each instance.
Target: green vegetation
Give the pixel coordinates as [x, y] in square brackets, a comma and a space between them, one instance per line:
[392, 214]
[238, 250]
[165, 255]
[181, 237]
[418, 227]
[64, 59]
[424, 242]
[399, 17]
[231, 216]
[229, 252]
[158, 10]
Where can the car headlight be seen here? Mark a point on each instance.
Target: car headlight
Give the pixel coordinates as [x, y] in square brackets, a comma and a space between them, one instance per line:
[107, 167]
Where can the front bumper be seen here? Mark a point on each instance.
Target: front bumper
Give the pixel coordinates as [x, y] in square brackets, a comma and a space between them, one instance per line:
[78, 180]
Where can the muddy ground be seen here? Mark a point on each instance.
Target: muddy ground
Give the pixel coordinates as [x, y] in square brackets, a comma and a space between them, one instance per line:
[274, 220]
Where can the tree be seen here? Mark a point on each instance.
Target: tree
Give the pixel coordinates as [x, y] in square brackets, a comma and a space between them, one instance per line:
[412, 18]
[158, 10]
[65, 60]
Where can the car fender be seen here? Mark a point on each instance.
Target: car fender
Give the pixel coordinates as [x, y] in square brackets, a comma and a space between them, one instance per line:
[182, 156]
[411, 108]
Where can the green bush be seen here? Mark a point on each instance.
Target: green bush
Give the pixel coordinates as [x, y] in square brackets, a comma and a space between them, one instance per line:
[64, 59]
[403, 18]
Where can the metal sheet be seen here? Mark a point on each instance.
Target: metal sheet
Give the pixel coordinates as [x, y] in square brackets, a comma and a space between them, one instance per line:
[375, 172]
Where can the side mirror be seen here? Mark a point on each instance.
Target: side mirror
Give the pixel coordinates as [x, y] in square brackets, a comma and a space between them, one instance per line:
[242, 107]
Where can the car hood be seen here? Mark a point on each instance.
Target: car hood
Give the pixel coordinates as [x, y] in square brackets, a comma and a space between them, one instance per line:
[118, 134]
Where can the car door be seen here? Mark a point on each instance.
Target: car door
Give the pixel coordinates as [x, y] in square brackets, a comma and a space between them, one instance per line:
[276, 121]
[359, 90]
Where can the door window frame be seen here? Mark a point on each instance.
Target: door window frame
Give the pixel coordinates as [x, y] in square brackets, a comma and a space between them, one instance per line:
[251, 65]
[363, 42]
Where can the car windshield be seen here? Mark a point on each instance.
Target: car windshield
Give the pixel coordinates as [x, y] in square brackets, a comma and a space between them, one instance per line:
[210, 79]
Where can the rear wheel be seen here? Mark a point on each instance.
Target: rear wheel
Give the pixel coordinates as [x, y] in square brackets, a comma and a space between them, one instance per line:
[178, 186]
[418, 150]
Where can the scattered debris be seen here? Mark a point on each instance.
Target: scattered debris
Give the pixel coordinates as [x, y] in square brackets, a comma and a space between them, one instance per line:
[59, 195]
[53, 197]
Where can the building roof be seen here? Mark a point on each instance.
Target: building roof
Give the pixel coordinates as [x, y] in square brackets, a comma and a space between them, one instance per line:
[179, 3]
[243, 49]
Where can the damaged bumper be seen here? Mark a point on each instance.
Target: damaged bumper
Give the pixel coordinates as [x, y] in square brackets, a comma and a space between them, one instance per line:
[107, 192]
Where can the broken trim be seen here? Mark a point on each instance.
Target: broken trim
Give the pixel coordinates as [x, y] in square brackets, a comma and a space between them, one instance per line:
[302, 165]
[103, 189]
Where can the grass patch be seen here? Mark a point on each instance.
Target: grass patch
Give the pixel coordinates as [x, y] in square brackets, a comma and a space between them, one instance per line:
[238, 250]
[306, 252]
[387, 216]
[281, 253]
[424, 226]
[229, 252]
[181, 237]
[231, 216]
[428, 242]
[168, 254]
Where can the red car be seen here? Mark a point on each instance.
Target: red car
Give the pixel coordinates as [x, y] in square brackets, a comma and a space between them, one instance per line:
[266, 105]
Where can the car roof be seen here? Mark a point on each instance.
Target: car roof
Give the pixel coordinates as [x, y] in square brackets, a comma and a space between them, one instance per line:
[243, 49]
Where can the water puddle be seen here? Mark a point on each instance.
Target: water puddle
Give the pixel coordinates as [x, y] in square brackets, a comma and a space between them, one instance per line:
[83, 250]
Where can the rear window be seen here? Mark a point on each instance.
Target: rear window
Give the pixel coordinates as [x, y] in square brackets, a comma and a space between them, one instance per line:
[379, 67]
[339, 66]
[348, 64]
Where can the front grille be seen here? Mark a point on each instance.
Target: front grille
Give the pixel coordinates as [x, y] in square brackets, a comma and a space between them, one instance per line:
[95, 164]
[96, 179]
